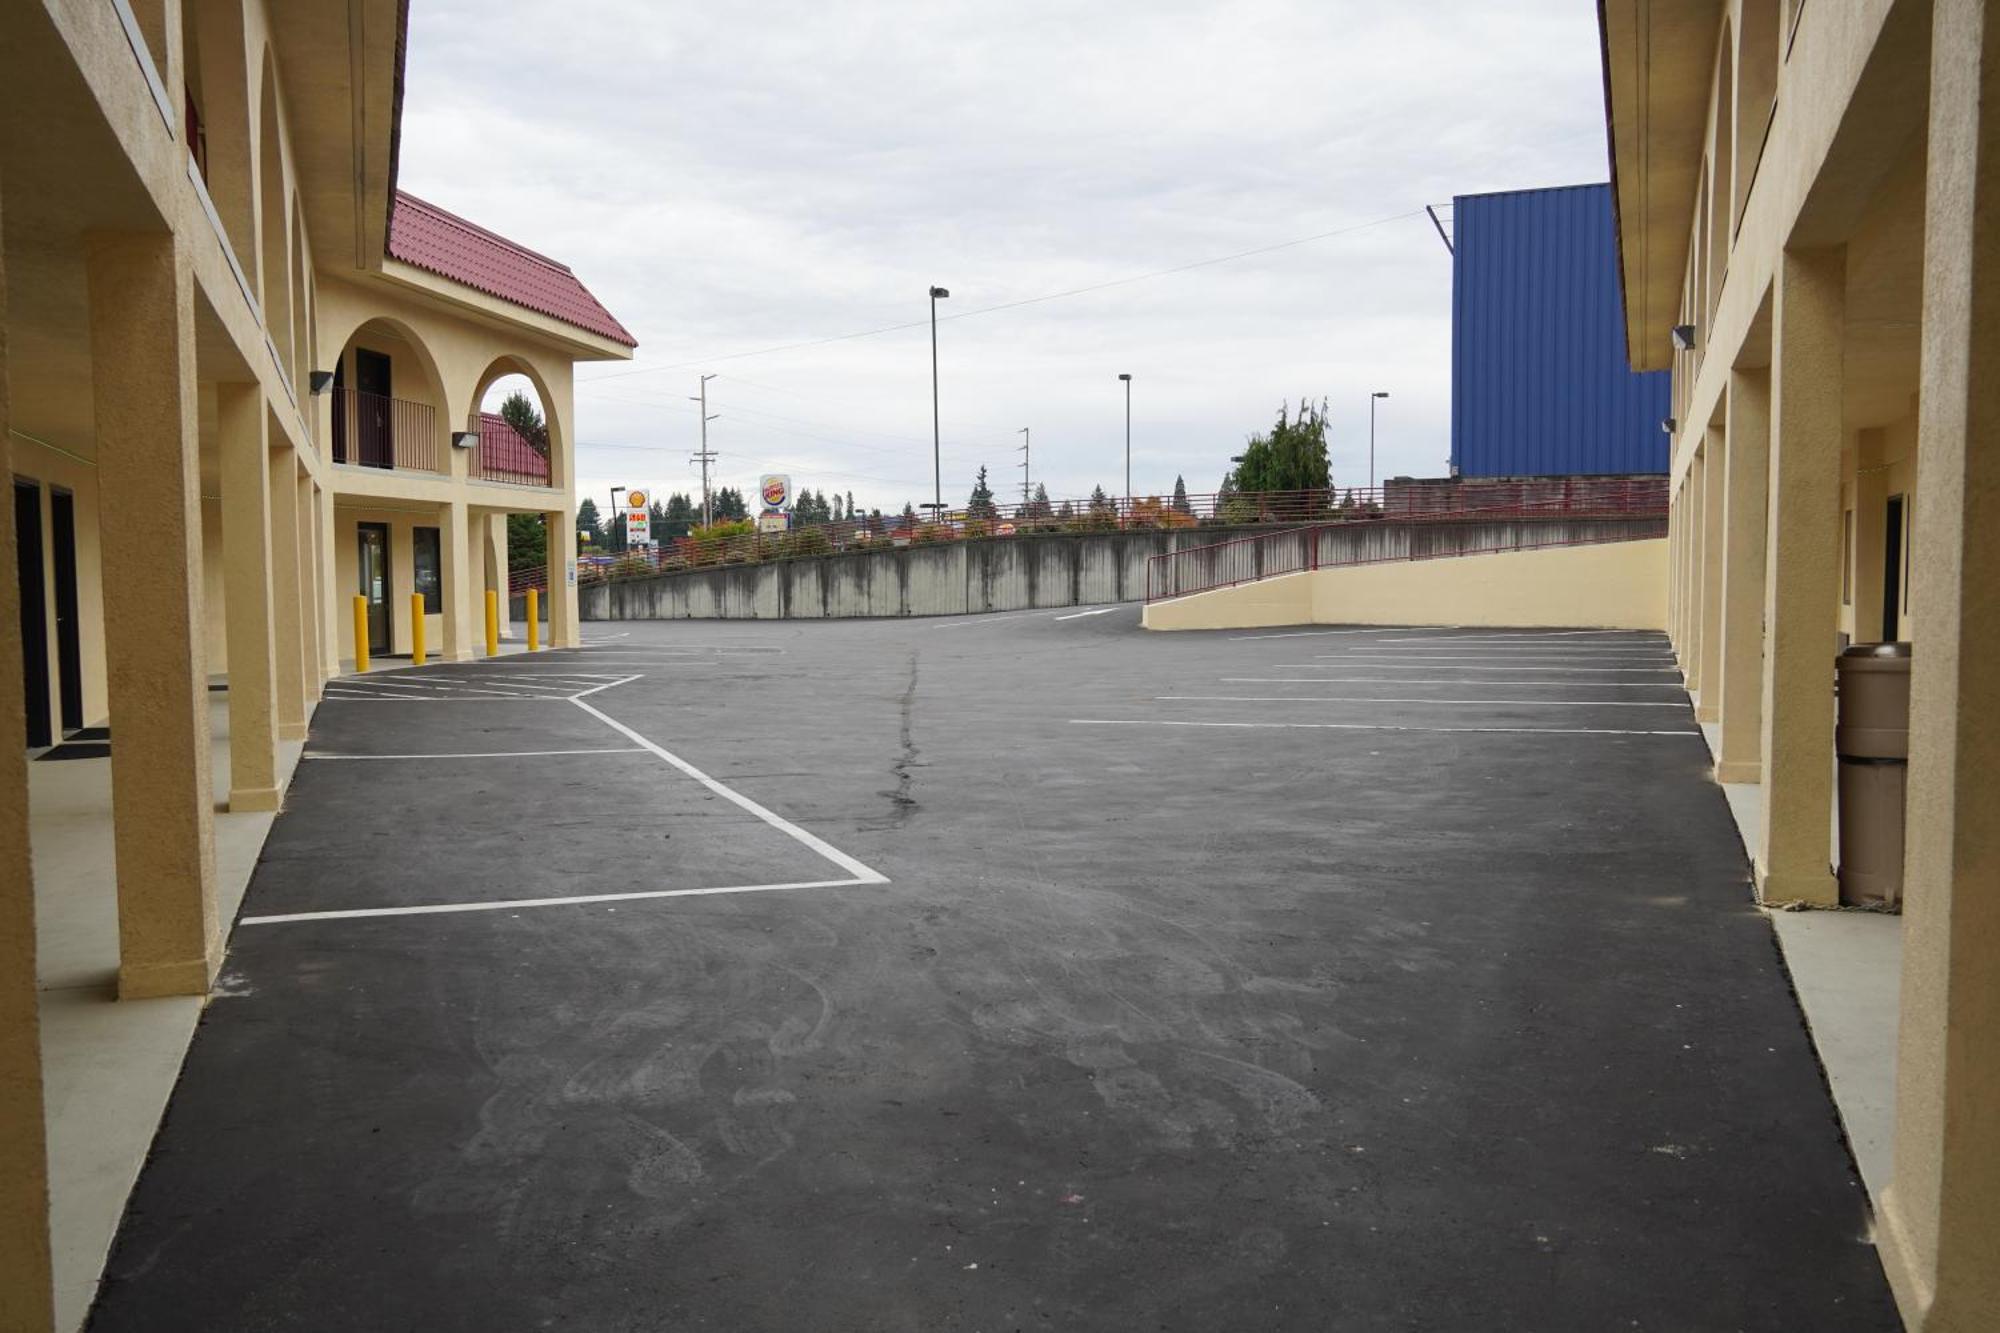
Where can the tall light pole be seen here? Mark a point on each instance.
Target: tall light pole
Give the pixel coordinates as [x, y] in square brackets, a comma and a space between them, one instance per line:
[611, 519]
[1128, 442]
[1371, 437]
[705, 457]
[1026, 440]
[937, 451]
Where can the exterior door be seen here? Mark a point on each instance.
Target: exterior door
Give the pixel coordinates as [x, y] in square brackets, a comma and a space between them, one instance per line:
[69, 641]
[373, 391]
[1892, 569]
[34, 610]
[372, 562]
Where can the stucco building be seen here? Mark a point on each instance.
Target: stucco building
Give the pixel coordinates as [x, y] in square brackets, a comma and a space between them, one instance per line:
[1805, 204]
[243, 382]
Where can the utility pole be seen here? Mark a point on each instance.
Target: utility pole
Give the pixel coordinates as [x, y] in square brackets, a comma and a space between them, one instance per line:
[705, 457]
[937, 450]
[611, 522]
[1128, 442]
[1371, 436]
[1026, 440]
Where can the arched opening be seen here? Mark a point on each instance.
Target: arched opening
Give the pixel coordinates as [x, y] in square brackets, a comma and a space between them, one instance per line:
[273, 235]
[1756, 91]
[388, 401]
[1722, 192]
[300, 280]
[216, 118]
[520, 440]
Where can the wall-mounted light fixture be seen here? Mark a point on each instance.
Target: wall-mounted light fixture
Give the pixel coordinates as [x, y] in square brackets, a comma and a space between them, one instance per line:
[319, 381]
[1684, 337]
[1667, 425]
[464, 439]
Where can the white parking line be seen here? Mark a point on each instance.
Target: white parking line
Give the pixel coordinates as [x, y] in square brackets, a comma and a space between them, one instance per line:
[1402, 680]
[518, 904]
[1483, 665]
[1362, 699]
[1316, 633]
[1369, 726]
[485, 754]
[1100, 611]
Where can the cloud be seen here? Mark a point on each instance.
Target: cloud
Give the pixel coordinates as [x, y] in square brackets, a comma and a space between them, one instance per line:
[728, 178]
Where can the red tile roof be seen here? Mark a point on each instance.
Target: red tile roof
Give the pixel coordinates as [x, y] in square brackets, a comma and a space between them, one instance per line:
[424, 235]
[502, 449]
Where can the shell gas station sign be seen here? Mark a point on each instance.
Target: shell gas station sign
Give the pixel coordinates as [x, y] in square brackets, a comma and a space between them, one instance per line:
[638, 519]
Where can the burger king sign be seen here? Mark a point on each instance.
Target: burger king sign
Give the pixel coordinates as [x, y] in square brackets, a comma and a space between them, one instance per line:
[776, 491]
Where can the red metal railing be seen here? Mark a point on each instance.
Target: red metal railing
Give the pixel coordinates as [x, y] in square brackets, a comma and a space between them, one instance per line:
[506, 455]
[1298, 550]
[1440, 501]
[372, 430]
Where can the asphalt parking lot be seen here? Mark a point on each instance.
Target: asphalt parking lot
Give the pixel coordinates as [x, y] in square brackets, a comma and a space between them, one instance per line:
[1017, 971]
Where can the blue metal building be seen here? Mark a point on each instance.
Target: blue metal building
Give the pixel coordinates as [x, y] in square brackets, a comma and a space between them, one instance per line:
[1540, 384]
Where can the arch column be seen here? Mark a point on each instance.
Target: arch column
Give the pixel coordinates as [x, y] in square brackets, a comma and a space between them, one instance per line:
[27, 1280]
[1745, 501]
[463, 621]
[243, 427]
[561, 583]
[149, 499]
[288, 597]
[1714, 479]
[1941, 1213]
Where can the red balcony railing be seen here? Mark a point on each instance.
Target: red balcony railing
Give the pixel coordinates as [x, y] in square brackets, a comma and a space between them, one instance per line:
[372, 430]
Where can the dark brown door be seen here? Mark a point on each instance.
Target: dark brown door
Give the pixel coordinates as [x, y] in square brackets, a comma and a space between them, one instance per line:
[373, 390]
[34, 609]
[343, 448]
[69, 644]
[1892, 568]
[372, 563]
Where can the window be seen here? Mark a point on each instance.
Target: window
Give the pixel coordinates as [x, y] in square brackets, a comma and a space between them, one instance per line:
[426, 565]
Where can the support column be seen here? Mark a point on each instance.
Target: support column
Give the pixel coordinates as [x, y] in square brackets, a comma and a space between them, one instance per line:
[336, 602]
[1714, 480]
[464, 595]
[311, 593]
[1673, 570]
[1745, 501]
[1802, 590]
[493, 556]
[288, 593]
[564, 628]
[1697, 503]
[149, 502]
[247, 597]
[27, 1283]
[1940, 1222]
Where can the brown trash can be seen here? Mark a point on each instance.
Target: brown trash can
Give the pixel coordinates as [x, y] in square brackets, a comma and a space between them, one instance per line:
[1872, 740]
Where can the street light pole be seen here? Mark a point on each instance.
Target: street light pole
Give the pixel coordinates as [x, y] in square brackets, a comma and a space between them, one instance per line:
[1371, 439]
[705, 457]
[1128, 442]
[611, 519]
[937, 451]
[1026, 440]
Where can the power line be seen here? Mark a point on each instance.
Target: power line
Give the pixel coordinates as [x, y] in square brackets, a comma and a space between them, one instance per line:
[1013, 305]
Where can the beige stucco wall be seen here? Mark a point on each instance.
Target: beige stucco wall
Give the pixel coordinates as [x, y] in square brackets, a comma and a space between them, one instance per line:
[1613, 585]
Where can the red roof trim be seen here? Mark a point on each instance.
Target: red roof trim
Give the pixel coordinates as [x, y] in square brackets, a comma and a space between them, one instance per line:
[426, 236]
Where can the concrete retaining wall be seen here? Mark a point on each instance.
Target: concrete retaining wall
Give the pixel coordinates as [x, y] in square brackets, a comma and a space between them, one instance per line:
[1026, 572]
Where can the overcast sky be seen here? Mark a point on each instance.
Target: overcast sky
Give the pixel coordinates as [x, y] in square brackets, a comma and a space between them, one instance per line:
[733, 178]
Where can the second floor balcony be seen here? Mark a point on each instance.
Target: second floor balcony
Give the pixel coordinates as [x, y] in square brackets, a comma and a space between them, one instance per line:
[375, 430]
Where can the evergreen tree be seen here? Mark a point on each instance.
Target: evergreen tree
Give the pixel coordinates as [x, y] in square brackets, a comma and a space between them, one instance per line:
[1100, 503]
[520, 412]
[729, 505]
[1292, 457]
[1181, 505]
[680, 517]
[527, 541]
[589, 527]
[852, 512]
[981, 506]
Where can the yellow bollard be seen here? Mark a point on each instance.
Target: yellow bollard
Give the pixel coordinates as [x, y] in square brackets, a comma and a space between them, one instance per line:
[416, 629]
[492, 623]
[534, 619]
[360, 633]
